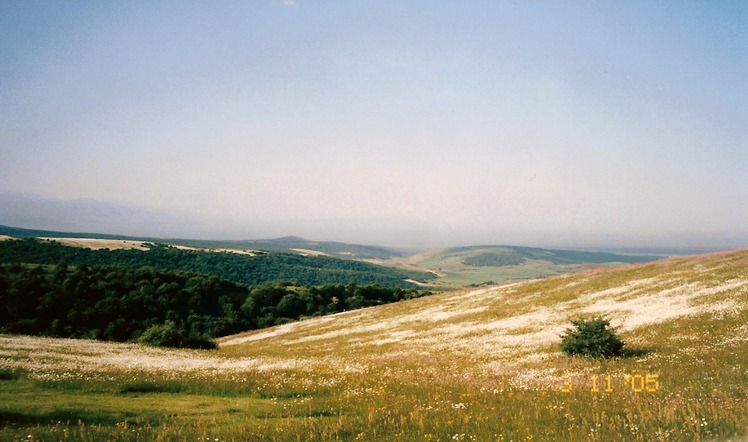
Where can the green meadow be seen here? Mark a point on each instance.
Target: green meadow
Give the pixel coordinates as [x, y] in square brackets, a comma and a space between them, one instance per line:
[477, 364]
[459, 267]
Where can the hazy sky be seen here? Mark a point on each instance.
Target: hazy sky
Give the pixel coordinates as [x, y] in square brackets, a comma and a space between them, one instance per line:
[394, 122]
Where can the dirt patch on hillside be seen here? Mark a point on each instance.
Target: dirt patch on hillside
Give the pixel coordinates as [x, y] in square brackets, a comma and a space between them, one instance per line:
[309, 252]
[96, 244]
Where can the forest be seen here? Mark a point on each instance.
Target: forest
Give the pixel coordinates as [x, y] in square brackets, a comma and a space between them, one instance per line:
[242, 269]
[162, 307]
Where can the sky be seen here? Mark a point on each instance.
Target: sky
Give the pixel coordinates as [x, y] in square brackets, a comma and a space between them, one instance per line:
[589, 123]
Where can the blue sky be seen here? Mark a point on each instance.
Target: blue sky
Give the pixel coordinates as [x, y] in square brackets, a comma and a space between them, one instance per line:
[392, 122]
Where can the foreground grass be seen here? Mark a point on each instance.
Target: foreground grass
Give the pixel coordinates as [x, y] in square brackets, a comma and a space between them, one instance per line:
[479, 365]
[382, 409]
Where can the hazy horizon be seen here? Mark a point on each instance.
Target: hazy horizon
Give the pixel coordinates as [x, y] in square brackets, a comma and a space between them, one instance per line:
[87, 216]
[395, 123]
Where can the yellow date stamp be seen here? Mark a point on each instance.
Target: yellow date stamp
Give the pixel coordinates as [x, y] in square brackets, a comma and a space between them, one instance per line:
[607, 383]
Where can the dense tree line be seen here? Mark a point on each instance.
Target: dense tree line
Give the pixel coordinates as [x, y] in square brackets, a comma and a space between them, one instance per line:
[182, 309]
[114, 303]
[239, 268]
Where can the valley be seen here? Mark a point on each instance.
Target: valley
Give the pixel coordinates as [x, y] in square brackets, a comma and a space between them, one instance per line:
[469, 364]
[433, 269]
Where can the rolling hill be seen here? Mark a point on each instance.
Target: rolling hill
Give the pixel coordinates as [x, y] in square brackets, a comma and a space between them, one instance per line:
[472, 364]
[289, 244]
[436, 269]
[248, 268]
[519, 320]
[486, 265]
[295, 244]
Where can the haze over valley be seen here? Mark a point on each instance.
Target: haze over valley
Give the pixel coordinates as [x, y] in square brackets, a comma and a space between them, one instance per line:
[92, 217]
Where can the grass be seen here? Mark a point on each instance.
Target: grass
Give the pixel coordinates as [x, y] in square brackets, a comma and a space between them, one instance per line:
[477, 365]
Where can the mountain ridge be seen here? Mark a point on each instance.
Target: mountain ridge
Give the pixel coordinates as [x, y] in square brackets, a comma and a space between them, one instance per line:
[288, 244]
[90, 215]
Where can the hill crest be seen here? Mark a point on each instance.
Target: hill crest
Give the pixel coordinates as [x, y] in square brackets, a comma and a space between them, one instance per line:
[289, 244]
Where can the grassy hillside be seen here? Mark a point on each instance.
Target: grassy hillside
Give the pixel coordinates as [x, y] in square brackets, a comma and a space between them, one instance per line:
[478, 364]
[462, 266]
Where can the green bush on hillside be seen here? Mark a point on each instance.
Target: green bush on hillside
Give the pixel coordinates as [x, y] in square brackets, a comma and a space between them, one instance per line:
[591, 337]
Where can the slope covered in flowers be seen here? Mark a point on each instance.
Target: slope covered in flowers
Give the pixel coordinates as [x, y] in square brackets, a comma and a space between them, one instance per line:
[479, 364]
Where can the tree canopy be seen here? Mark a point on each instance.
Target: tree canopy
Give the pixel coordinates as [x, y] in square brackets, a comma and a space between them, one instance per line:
[121, 303]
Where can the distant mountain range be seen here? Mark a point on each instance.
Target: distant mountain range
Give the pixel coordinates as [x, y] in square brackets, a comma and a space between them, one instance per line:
[89, 215]
[291, 244]
[37, 216]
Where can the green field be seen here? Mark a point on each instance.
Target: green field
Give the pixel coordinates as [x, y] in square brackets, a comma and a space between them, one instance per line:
[486, 265]
[476, 364]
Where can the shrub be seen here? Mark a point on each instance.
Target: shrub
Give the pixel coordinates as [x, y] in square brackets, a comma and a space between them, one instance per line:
[168, 335]
[6, 374]
[151, 387]
[591, 337]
